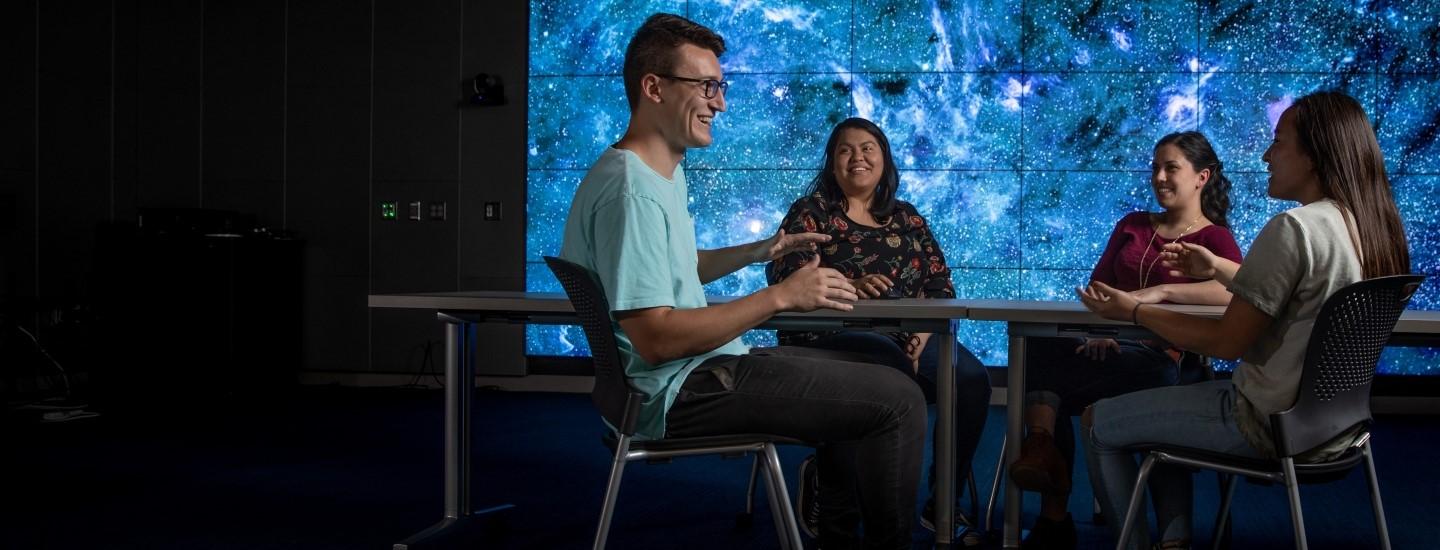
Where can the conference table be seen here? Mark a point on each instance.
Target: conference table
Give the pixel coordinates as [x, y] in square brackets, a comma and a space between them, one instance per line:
[1024, 319]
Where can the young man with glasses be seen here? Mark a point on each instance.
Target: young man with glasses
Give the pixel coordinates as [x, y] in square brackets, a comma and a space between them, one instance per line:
[630, 225]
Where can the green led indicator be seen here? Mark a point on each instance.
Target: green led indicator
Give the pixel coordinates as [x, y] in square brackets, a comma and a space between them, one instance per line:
[387, 210]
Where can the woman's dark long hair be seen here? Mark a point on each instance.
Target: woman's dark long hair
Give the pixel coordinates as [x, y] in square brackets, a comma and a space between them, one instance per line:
[883, 203]
[1337, 136]
[1215, 196]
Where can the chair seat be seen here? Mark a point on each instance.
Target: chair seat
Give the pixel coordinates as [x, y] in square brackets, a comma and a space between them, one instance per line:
[669, 444]
[1315, 472]
[710, 441]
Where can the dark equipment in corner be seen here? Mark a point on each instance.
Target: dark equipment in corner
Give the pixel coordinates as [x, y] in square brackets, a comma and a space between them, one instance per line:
[198, 304]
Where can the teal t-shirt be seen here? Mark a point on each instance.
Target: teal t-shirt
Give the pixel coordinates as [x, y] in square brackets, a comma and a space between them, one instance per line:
[630, 226]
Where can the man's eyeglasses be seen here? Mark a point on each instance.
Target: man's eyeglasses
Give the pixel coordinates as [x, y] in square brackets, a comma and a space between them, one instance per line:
[708, 86]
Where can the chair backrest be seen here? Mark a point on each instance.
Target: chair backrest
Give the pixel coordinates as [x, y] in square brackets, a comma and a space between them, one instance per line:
[1351, 330]
[617, 401]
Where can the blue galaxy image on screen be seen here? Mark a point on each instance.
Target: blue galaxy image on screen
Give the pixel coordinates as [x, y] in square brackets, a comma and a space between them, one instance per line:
[1022, 130]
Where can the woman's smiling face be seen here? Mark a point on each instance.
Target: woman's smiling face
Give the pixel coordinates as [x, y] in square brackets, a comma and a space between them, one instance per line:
[1292, 171]
[859, 162]
[1174, 180]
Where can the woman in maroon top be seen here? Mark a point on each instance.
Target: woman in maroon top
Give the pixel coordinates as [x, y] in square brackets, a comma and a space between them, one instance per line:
[1068, 374]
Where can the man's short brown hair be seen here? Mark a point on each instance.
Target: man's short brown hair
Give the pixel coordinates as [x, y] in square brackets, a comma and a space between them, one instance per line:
[652, 49]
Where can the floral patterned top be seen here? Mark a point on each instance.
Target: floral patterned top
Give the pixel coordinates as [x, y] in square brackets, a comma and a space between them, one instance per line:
[902, 249]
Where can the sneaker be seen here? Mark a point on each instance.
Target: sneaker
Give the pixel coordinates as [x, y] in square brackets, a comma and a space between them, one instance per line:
[1049, 534]
[807, 502]
[965, 532]
[1040, 467]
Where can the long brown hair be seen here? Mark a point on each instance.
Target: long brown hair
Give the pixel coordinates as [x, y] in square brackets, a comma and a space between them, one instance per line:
[1337, 136]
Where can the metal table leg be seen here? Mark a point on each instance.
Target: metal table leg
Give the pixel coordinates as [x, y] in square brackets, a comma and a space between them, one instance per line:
[945, 442]
[459, 393]
[1014, 417]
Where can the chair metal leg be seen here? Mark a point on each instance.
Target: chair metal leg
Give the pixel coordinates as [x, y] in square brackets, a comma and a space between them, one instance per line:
[1136, 497]
[1297, 515]
[772, 498]
[974, 496]
[750, 489]
[995, 485]
[785, 525]
[1379, 508]
[775, 513]
[612, 491]
[1227, 486]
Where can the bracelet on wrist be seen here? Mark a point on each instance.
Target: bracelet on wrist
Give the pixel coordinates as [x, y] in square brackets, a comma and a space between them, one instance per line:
[1134, 312]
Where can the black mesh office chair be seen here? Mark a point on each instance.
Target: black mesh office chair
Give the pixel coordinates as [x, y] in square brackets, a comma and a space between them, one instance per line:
[1351, 330]
[619, 403]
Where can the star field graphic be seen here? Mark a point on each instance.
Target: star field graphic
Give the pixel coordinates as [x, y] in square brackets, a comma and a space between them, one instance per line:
[1023, 130]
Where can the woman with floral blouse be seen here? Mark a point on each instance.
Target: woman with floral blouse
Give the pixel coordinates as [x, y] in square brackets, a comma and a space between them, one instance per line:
[887, 250]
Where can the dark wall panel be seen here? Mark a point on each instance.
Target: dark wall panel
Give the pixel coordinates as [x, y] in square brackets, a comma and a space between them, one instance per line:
[417, 56]
[492, 169]
[328, 167]
[74, 144]
[126, 91]
[417, 74]
[305, 114]
[168, 110]
[244, 124]
[417, 82]
[492, 164]
[17, 153]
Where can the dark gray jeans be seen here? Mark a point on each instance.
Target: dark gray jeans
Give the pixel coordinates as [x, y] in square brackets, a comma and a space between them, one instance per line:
[827, 397]
[1075, 381]
[972, 385]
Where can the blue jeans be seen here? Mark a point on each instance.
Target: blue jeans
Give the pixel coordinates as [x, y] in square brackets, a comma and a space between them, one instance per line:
[875, 416]
[1199, 416]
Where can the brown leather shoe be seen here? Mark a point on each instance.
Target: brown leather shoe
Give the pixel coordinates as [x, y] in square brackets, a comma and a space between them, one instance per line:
[1040, 467]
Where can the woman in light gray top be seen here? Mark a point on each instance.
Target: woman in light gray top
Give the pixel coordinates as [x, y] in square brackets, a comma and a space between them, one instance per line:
[1324, 156]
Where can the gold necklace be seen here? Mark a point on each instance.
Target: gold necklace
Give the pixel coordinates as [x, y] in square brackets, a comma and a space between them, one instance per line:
[1145, 273]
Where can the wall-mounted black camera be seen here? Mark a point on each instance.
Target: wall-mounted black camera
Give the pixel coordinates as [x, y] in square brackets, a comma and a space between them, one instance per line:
[488, 90]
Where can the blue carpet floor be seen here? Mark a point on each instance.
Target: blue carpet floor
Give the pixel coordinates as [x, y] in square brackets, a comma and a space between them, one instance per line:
[345, 468]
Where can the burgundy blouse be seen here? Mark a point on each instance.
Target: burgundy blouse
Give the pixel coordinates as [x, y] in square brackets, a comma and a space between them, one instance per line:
[1134, 237]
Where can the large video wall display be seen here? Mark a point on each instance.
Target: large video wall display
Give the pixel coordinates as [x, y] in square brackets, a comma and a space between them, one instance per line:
[1022, 129]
